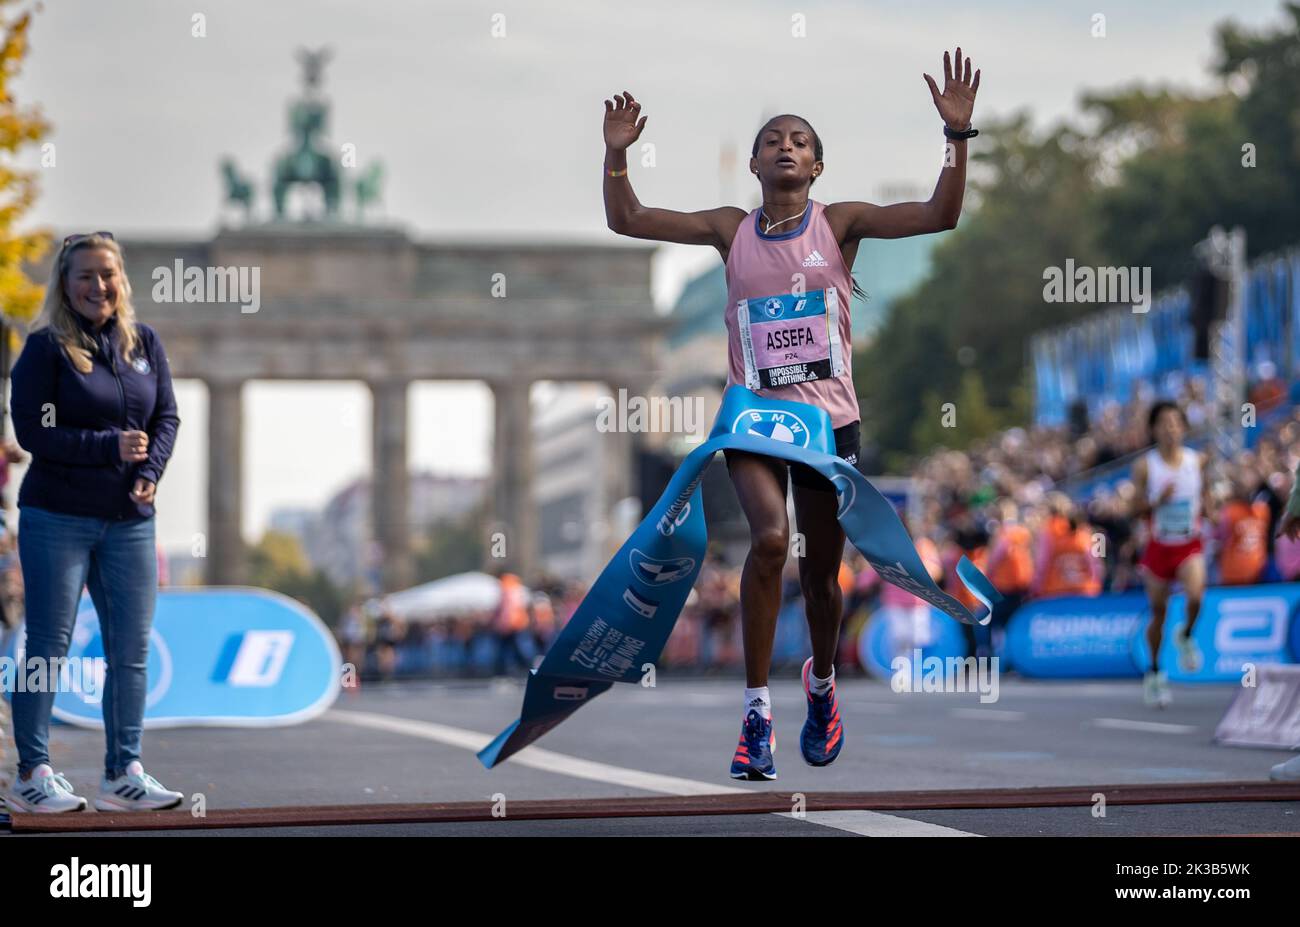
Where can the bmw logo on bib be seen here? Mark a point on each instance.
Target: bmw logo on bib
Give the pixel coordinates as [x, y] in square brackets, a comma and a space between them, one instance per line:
[773, 307]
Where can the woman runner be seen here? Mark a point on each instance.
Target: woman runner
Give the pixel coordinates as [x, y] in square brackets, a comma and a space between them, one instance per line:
[792, 244]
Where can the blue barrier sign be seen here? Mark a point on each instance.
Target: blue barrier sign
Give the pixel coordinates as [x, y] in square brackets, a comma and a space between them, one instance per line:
[1237, 626]
[1076, 636]
[1105, 636]
[222, 656]
[894, 631]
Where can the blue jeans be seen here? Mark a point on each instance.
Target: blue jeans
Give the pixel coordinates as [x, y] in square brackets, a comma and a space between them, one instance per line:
[116, 559]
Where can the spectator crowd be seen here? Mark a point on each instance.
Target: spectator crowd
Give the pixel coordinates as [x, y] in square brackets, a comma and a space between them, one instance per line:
[1043, 511]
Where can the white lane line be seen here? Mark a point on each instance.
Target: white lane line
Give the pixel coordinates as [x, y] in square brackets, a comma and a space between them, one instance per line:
[875, 824]
[988, 714]
[533, 757]
[1153, 727]
[881, 825]
[442, 733]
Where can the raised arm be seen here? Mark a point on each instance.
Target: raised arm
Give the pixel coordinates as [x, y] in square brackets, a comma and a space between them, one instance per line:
[941, 211]
[625, 215]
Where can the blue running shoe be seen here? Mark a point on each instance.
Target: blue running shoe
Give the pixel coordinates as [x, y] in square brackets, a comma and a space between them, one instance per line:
[823, 732]
[753, 759]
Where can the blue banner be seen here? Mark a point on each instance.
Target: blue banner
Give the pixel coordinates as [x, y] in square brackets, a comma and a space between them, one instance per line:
[223, 656]
[1237, 625]
[1105, 636]
[894, 631]
[1076, 636]
[620, 628]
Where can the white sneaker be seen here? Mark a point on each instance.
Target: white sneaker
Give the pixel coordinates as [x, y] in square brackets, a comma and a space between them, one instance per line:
[1286, 772]
[46, 792]
[135, 791]
[1189, 655]
[1155, 690]
[1150, 689]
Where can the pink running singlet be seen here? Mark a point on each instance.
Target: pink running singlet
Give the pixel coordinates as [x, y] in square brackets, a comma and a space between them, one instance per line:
[783, 344]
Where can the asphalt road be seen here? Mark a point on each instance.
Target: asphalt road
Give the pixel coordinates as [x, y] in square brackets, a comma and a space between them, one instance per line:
[415, 742]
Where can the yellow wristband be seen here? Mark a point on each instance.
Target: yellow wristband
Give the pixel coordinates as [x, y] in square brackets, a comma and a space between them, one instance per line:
[610, 173]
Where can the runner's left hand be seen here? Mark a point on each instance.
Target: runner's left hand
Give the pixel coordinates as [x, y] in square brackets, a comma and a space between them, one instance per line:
[957, 101]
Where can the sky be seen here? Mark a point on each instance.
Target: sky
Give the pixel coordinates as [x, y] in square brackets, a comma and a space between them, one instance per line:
[489, 137]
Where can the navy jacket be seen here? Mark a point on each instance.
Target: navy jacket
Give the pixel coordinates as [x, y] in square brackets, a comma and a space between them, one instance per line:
[70, 422]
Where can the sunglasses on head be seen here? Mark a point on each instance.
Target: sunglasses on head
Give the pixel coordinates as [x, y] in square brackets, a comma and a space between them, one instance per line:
[73, 239]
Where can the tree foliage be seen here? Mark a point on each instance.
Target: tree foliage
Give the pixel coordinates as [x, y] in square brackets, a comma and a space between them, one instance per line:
[1134, 180]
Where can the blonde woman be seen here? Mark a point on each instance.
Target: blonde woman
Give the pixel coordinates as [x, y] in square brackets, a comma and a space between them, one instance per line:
[93, 405]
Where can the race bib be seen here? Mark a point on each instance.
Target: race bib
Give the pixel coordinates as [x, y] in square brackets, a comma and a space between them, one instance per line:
[790, 339]
[1173, 521]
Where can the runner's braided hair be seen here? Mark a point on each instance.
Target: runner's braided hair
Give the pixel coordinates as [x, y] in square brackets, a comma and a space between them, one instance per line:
[817, 156]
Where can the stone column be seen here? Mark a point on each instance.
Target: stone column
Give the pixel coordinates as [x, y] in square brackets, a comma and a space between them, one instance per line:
[514, 510]
[390, 487]
[618, 448]
[225, 547]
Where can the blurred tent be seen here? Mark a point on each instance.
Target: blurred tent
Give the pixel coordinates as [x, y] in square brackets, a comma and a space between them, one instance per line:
[451, 596]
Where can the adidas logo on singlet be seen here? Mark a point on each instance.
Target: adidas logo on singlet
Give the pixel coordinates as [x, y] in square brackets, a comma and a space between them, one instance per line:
[816, 260]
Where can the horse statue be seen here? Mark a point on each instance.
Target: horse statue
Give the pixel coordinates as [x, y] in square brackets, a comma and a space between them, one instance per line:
[307, 162]
[366, 187]
[239, 189]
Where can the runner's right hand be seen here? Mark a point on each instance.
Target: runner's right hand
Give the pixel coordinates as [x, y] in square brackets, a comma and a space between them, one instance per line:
[621, 125]
[133, 446]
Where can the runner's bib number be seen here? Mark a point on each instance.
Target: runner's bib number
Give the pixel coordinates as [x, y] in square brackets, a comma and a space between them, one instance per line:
[1173, 521]
[790, 339]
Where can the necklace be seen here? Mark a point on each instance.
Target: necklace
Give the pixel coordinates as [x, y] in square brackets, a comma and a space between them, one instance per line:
[771, 225]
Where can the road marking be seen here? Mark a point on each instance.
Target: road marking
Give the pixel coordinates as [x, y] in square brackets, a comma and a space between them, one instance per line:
[1153, 727]
[875, 824]
[882, 825]
[532, 757]
[988, 714]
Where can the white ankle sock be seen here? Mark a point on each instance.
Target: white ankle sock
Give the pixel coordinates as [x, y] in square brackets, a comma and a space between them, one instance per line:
[820, 686]
[757, 699]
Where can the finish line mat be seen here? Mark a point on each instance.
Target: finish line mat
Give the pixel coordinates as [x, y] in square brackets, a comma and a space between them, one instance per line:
[662, 806]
